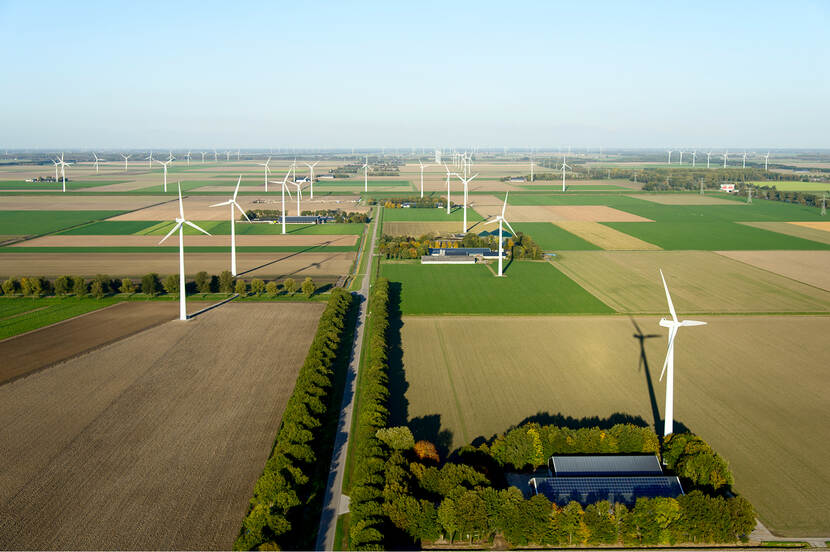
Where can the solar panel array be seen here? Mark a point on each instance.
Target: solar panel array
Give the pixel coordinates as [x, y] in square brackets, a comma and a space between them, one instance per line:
[608, 464]
[587, 490]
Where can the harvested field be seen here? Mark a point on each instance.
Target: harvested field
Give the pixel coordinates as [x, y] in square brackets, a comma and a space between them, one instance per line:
[793, 229]
[700, 281]
[823, 226]
[78, 203]
[685, 199]
[754, 387]
[195, 208]
[605, 237]
[810, 267]
[556, 213]
[135, 265]
[40, 348]
[154, 442]
[242, 240]
[416, 229]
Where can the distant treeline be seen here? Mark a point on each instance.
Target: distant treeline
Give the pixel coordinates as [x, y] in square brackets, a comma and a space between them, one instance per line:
[339, 215]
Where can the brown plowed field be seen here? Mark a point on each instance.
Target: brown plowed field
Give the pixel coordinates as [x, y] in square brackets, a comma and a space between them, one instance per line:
[242, 240]
[24, 354]
[810, 267]
[133, 265]
[823, 226]
[154, 442]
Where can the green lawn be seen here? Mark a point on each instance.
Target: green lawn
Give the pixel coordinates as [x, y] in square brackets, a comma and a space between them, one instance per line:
[429, 215]
[21, 314]
[712, 236]
[527, 288]
[16, 223]
[793, 186]
[553, 238]
[70, 185]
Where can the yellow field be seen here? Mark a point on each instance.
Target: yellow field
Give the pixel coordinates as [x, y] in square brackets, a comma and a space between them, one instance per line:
[810, 267]
[823, 226]
[605, 237]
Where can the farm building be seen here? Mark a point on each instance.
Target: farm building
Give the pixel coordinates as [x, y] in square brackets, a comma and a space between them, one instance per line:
[305, 219]
[616, 478]
[328, 176]
[448, 259]
[514, 179]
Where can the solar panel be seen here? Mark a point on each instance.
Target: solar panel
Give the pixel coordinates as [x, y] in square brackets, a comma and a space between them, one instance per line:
[606, 464]
[587, 490]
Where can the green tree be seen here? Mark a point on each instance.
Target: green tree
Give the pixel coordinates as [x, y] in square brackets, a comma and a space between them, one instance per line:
[570, 524]
[127, 286]
[289, 285]
[271, 288]
[446, 517]
[742, 516]
[202, 281]
[26, 285]
[79, 286]
[396, 438]
[150, 284]
[308, 287]
[10, 286]
[226, 282]
[171, 284]
[63, 285]
[97, 288]
[241, 287]
[600, 523]
[257, 286]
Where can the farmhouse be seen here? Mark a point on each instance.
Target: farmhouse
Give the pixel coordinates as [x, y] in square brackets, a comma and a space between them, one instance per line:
[616, 478]
[328, 176]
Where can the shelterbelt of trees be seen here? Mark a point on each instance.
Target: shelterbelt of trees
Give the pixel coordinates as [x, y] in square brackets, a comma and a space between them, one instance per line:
[338, 214]
[414, 202]
[520, 246]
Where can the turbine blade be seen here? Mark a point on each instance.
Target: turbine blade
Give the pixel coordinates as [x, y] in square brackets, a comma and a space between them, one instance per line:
[692, 323]
[504, 207]
[669, 351]
[241, 210]
[668, 297]
[508, 225]
[238, 182]
[199, 228]
[170, 233]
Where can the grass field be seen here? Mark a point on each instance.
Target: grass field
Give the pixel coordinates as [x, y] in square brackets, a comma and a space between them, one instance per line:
[110, 228]
[20, 314]
[811, 234]
[527, 288]
[417, 229]
[552, 237]
[355, 183]
[754, 387]
[171, 426]
[429, 215]
[794, 186]
[700, 281]
[23, 223]
[810, 267]
[575, 187]
[605, 237]
[224, 228]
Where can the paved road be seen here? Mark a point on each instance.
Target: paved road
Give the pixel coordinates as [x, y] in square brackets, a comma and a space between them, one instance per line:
[335, 502]
[761, 533]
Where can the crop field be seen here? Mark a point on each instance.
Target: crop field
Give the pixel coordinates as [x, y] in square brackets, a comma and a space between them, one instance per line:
[809, 267]
[242, 241]
[556, 213]
[215, 227]
[429, 215]
[754, 387]
[416, 229]
[18, 314]
[793, 229]
[685, 199]
[795, 186]
[528, 287]
[22, 223]
[70, 185]
[553, 238]
[700, 281]
[604, 237]
[708, 236]
[155, 441]
[76, 203]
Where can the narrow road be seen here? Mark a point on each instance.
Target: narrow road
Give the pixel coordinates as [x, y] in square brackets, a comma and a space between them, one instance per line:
[334, 501]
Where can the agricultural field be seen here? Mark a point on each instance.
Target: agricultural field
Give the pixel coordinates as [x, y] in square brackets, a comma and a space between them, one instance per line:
[28, 222]
[151, 240]
[604, 237]
[793, 229]
[416, 229]
[553, 238]
[809, 267]
[429, 215]
[753, 387]
[528, 287]
[684, 199]
[171, 426]
[19, 315]
[701, 281]
[795, 186]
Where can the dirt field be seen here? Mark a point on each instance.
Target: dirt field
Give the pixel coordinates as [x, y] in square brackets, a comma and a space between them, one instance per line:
[810, 267]
[700, 281]
[134, 265]
[823, 226]
[34, 350]
[416, 229]
[685, 199]
[606, 237]
[793, 229]
[77, 203]
[557, 213]
[754, 387]
[242, 240]
[154, 442]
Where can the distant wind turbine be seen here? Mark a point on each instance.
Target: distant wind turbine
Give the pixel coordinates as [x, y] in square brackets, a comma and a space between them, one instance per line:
[422, 176]
[766, 161]
[366, 175]
[203, 156]
[299, 186]
[311, 179]
[669, 151]
[448, 187]
[126, 160]
[63, 165]
[564, 167]
[233, 204]
[708, 155]
[725, 156]
[267, 170]
[283, 189]
[744, 164]
[500, 219]
[466, 182]
[681, 158]
[149, 160]
[165, 163]
[188, 158]
[694, 156]
[97, 160]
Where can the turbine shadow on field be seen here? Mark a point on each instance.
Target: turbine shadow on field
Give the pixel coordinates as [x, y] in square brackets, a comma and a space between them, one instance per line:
[398, 403]
[643, 363]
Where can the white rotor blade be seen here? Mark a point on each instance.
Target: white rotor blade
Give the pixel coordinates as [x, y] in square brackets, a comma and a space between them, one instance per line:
[471, 178]
[668, 297]
[238, 182]
[284, 185]
[187, 222]
[504, 207]
[692, 323]
[170, 233]
[508, 225]
[228, 202]
[490, 222]
[672, 335]
[242, 211]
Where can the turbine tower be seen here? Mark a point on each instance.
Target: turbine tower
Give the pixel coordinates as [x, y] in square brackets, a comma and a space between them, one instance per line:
[466, 182]
[708, 156]
[126, 162]
[149, 160]
[188, 157]
[744, 165]
[165, 163]
[681, 157]
[500, 219]
[725, 156]
[299, 186]
[311, 179]
[668, 366]
[232, 202]
[267, 170]
[669, 152]
[180, 222]
[564, 166]
[366, 175]
[824, 204]
[422, 176]
[448, 187]
[531, 167]
[63, 165]
[283, 189]
[766, 161]
[203, 156]
[694, 156]
[97, 160]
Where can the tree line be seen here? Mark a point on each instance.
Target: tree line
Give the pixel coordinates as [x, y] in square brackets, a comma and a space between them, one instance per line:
[287, 497]
[338, 215]
[152, 285]
[773, 194]
[430, 201]
[520, 246]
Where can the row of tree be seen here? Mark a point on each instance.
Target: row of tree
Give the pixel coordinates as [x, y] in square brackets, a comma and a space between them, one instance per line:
[367, 528]
[773, 194]
[151, 284]
[430, 201]
[339, 215]
[280, 514]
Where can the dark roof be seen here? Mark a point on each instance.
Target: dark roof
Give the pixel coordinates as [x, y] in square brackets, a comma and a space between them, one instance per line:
[606, 464]
[460, 250]
[587, 490]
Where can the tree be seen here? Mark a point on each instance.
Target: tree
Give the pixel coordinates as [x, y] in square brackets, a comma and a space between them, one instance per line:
[97, 289]
[26, 285]
[271, 288]
[446, 517]
[9, 286]
[226, 282]
[470, 515]
[79, 286]
[570, 523]
[289, 285]
[600, 523]
[308, 287]
[396, 438]
[171, 284]
[742, 517]
[202, 281]
[150, 284]
[63, 285]
[127, 286]
[241, 287]
[257, 286]
[425, 450]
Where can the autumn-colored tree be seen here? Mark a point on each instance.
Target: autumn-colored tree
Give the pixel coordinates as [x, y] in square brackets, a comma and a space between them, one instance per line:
[425, 450]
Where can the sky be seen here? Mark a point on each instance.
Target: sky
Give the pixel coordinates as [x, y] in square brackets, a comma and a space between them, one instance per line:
[414, 74]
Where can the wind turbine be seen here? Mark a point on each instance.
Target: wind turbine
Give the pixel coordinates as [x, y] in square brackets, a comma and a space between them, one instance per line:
[311, 178]
[669, 151]
[564, 166]
[267, 170]
[694, 156]
[180, 222]
[299, 186]
[55, 161]
[97, 160]
[366, 175]
[283, 189]
[500, 219]
[708, 155]
[188, 157]
[170, 156]
[422, 176]
[744, 165]
[232, 202]
[63, 165]
[766, 161]
[531, 167]
[681, 158]
[126, 163]
[668, 366]
[227, 155]
[466, 182]
[725, 156]
[165, 163]
[448, 188]
[149, 160]
[215, 156]
[203, 156]
[824, 204]
[237, 155]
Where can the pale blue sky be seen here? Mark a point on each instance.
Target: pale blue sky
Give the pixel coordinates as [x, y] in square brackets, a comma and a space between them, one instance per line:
[343, 74]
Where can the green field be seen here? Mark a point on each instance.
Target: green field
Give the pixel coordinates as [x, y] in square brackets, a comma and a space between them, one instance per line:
[355, 183]
[190, 248]
[712, 236]
[794, 186]
[224, 228]
[527, 288]
[70, 185]
[22, 223]
[576, 188]
[110, 228]
[21, 314]
[429, 215]
[553, 238]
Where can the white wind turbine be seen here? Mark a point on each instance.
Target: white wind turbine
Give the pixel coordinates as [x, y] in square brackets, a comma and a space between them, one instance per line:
[531, 168]
[466, 182]
[766, 161]
[448, 188]
[668, 366]
[669, 151]
[366, 175]
[63, 165]
[744, 164]
[55, 161]
[165, 163]
[500, 219]
[267, 170]
[232, 202]
[708, 156]
[126, 162]
[694, 156]
[149, 160]
[283, 189]
[170, 156]
[188, 157]
[215, 156]
[203, 156]
[180, 222]
[422, 176]
[681, 157]
[311, 178]
[97, 160]
[299, 186]
[564, 167]
[725, 156]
